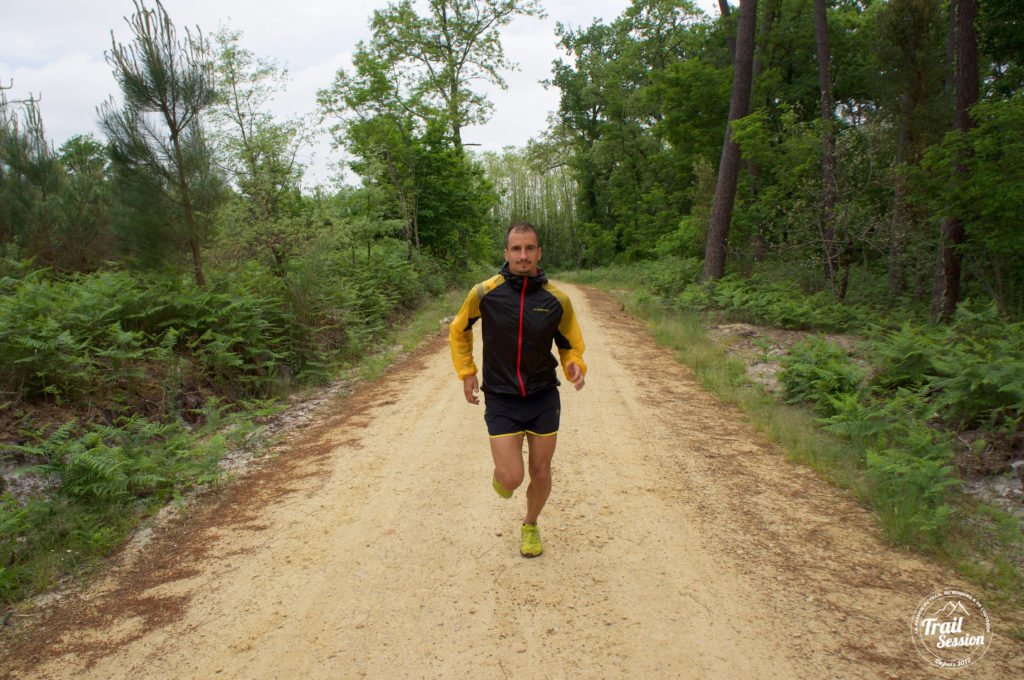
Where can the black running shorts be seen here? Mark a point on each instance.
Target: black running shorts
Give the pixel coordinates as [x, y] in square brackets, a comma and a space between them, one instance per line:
[507, 414]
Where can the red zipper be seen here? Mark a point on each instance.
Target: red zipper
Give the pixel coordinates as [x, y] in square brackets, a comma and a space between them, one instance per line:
[519, 356]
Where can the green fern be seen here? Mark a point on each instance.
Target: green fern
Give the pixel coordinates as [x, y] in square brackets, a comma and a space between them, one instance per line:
[819, 372]
[911, 493]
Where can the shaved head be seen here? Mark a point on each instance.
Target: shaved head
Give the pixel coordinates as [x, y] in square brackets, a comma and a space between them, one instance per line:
[521, 227]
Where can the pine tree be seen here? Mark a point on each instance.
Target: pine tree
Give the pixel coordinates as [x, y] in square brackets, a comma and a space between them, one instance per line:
[157, 138]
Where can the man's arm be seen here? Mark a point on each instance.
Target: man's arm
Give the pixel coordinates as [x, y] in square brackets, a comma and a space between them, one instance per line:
[570, 345]
[460, 339]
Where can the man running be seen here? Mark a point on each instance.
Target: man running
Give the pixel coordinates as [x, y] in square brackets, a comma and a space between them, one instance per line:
[523, 313]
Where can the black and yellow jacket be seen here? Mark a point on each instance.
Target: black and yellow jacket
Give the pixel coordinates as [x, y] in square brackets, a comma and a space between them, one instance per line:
[521, 316]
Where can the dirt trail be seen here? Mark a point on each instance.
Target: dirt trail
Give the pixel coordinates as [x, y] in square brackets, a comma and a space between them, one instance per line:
[678, 544]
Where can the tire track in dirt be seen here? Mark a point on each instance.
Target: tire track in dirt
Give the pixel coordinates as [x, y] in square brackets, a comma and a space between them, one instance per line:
[678, 543]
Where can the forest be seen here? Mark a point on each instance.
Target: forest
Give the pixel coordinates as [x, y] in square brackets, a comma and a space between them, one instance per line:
[825, 166]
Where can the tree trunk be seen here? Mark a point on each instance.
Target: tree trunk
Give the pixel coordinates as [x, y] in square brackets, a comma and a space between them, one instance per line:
[453, 112]
[197, 263]
[897, 226]
[829, 190]
[728, 167]
[190, 222]
[763, 40]
[403, 206]
[966, 96]
[949, 86]
[723, 6]
[768, 18]
[416, 222]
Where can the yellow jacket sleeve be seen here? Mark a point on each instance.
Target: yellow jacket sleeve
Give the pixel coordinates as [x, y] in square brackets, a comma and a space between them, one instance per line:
[460, 335]
[569, 329]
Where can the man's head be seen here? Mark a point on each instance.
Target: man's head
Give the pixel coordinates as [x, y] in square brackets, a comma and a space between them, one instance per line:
[522, 249]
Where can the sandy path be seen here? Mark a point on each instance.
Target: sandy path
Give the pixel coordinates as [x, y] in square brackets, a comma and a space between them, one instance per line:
[678, 544]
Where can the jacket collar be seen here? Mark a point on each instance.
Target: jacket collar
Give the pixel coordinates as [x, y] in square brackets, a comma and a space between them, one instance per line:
[516, 280]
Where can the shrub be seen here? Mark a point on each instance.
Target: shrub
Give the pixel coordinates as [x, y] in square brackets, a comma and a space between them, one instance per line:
[778, 303]
[821, 373]
[668, 277]
[980, 370]
[115, 465]
[906, 357]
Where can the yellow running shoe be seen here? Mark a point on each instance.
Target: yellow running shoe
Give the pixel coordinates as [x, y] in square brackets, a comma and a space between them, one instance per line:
[502, 491]
[531, 541]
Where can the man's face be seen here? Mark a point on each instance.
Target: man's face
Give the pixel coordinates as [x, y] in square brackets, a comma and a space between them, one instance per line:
[523, 253]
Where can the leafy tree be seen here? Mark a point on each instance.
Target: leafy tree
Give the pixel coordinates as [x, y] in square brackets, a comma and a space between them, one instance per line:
[979, 176]
[1001, 38]
[86, 203]
[167, 182]
[908, 44]
[258, 152]
[583, 117]
[375, 123]
[387, 116]
[455, 200]
[632, 184]
[536, 185]
[437, 56]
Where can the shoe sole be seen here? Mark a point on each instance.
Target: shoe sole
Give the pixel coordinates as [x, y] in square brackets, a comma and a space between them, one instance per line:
[531, 556]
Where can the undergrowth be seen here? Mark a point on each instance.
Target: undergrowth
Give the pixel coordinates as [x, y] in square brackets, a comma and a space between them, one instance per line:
[116, 387]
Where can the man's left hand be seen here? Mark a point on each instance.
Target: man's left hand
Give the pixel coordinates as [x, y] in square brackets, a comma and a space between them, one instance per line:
[575, 375]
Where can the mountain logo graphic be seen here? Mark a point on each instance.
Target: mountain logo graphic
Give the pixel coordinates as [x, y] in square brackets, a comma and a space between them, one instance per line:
[952, 609]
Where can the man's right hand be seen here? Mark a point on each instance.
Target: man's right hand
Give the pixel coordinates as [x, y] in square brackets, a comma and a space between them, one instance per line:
[471, 387]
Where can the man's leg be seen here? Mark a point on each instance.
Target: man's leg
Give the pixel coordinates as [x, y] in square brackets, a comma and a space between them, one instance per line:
[542, 449]
[507, 452]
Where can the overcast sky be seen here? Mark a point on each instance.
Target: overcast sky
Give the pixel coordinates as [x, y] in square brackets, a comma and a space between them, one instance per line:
[54, 49]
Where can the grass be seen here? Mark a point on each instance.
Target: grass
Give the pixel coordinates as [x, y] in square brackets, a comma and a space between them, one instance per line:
[427, 319]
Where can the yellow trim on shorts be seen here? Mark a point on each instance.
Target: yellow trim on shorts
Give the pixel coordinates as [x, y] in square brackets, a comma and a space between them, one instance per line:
[512, 434]
[508, 434]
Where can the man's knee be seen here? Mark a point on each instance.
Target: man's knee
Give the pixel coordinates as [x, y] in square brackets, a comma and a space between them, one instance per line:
[541, 471]
[510, 479]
